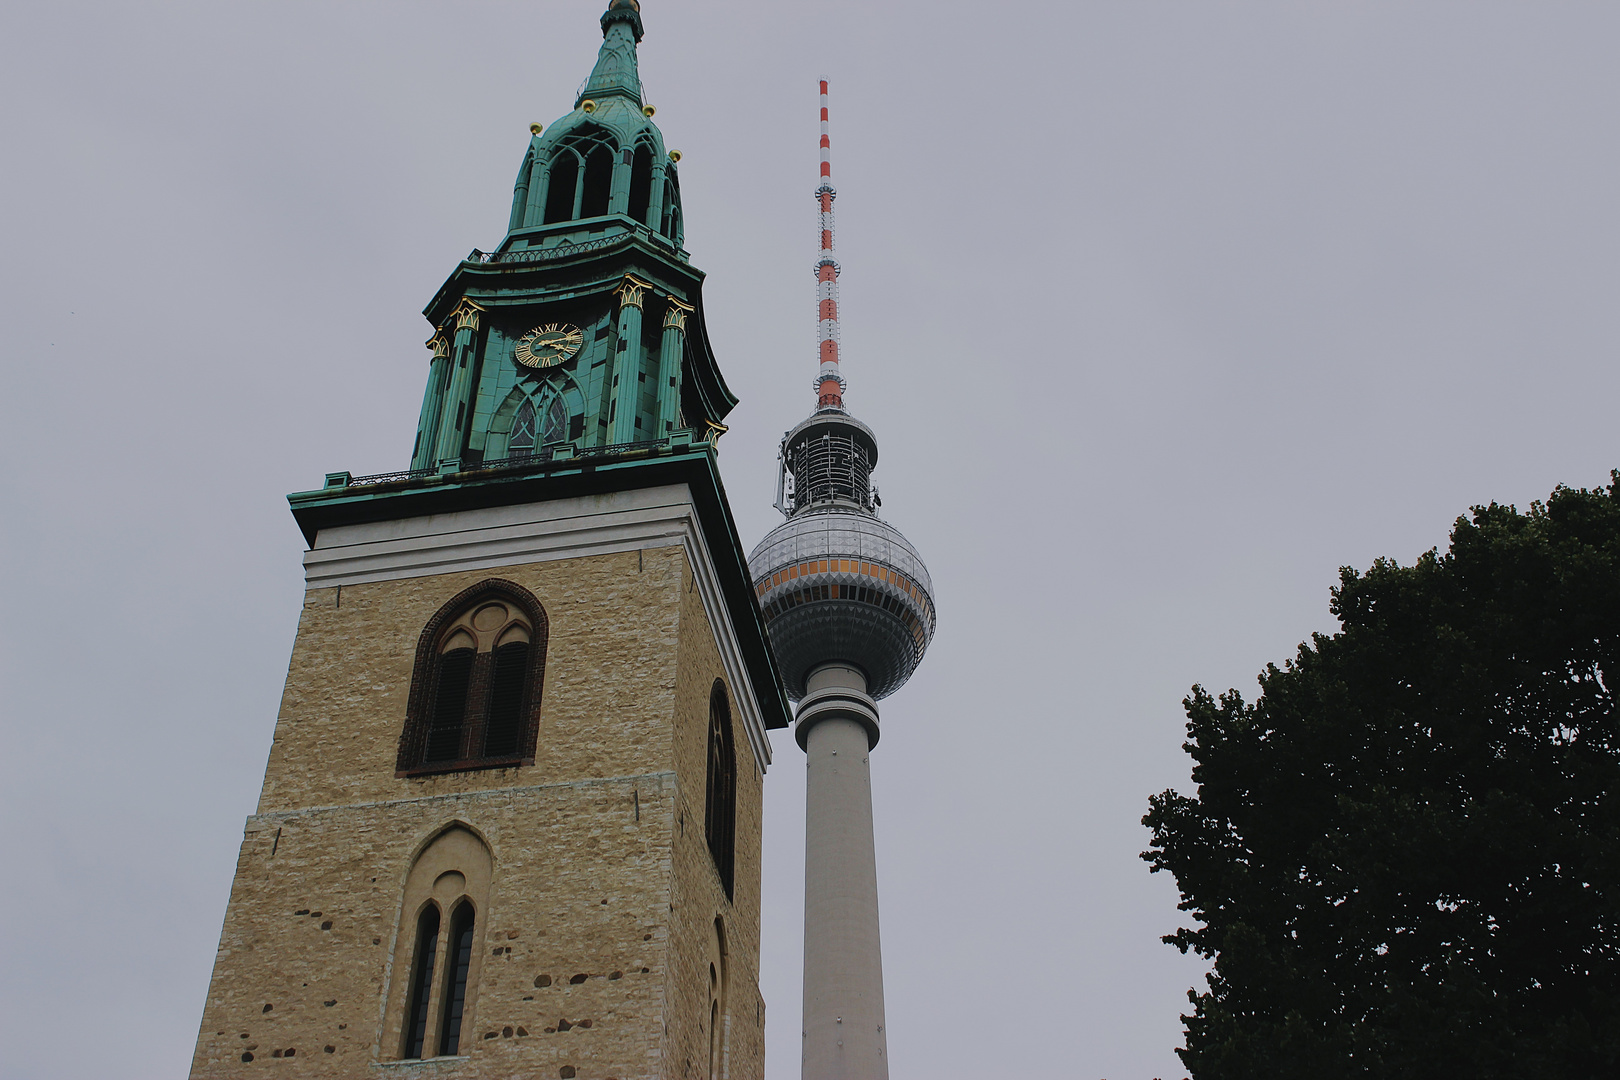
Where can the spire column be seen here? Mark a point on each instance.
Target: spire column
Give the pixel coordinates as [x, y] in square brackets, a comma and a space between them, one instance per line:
[427, 427]
[655, 203]
[670, 351]
[626, 388]
[453, 418]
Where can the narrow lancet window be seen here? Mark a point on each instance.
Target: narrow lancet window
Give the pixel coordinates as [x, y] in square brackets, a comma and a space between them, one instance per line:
[717, 1001]
[641, 183]
[433, 1007]
[720, 803]
[562, 187]
[459, 961]
[427, 943]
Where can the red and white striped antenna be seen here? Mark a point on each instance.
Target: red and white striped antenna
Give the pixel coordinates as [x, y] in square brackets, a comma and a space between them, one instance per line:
[829, 383]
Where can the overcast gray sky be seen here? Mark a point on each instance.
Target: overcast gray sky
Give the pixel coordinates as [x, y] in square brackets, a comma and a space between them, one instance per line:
[1162, 311]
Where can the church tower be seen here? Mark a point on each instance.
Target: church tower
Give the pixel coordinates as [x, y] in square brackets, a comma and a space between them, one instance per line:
[510, 823]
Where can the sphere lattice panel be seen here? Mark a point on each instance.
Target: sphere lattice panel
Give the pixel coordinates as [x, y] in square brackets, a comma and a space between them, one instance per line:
[842, 585]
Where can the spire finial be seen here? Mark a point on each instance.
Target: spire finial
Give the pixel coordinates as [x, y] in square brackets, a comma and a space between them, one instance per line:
[829, 383]
[616, 71]
[627, 11]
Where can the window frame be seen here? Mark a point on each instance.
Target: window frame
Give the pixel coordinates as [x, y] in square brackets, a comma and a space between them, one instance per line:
[413, 740]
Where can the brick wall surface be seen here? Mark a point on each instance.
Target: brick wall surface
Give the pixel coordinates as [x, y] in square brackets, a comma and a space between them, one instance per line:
[596, 936]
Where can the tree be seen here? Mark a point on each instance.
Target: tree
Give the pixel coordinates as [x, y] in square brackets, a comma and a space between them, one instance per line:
[1405, 853]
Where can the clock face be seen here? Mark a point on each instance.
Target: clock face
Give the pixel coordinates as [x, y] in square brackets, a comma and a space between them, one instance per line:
[548, 345]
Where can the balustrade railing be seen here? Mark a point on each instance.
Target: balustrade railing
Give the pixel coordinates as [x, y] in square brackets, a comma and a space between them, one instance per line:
[556, 454]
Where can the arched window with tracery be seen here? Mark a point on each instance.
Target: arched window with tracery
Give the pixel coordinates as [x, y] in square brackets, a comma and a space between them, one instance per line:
[475, 692]
[532, 431]
[580, 181]
[720, 801]
[430, 1008]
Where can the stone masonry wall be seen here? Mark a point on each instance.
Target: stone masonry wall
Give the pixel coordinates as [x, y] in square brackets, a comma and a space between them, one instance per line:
[698, 896]
[595, 937]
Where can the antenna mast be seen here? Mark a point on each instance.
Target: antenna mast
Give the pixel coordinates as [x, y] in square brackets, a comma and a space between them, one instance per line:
[829, 383]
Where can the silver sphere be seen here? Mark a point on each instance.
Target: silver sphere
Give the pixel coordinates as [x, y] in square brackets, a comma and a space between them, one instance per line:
[836, 582]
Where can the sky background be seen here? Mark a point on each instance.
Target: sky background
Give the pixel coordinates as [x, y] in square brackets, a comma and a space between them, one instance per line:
[1162, 311]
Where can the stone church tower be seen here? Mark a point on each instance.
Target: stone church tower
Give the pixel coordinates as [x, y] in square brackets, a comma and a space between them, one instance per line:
[510, 824]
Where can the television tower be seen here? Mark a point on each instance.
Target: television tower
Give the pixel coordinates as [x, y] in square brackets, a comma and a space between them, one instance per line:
[849, 609]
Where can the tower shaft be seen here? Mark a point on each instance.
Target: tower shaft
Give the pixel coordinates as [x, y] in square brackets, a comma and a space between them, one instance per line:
[843, 1029]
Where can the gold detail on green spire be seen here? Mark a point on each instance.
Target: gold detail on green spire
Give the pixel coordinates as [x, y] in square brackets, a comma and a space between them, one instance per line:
[466, 315]
[629, 292]
[676, 315]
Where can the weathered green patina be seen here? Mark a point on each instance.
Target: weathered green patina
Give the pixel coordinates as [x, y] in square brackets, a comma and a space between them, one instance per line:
[593, 244]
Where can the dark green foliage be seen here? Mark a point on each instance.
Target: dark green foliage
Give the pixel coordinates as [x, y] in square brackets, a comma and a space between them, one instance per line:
[1405, 855]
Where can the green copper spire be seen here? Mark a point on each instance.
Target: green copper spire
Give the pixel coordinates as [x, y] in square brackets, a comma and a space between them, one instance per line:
[615, 71]
[582, 333]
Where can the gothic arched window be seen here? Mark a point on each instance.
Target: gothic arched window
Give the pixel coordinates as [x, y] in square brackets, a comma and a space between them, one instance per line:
[562, 188]
[720, 800]
[475, 693]
[530, 431]
[432, 1006]
[581, 180]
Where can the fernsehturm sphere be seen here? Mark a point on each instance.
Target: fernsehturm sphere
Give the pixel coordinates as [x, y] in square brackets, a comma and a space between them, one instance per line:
[850, 611]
